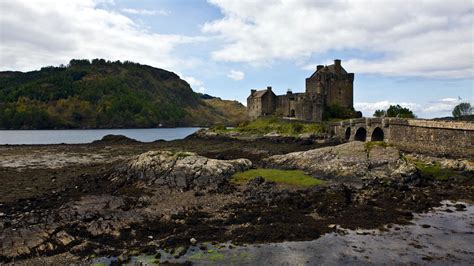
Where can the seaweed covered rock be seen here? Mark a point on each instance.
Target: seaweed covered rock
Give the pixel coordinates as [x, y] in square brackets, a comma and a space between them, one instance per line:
[115, 139]
[353, 159]
[182, 170]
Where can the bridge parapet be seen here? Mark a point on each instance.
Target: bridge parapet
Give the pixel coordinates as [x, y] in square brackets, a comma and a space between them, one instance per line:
[447, 138]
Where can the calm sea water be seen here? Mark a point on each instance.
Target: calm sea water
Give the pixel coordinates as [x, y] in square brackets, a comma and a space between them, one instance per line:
[89, 135]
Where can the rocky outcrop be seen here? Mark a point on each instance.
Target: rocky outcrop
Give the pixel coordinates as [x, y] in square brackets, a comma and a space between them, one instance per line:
[91, 216]
[353, 159]
[115, 139]
[182, 170]
[446, 163]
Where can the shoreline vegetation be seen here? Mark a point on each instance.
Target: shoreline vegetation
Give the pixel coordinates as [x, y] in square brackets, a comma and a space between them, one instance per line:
[272, 126]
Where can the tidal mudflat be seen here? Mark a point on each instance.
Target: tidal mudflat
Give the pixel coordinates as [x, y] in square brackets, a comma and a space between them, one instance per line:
[118, 200]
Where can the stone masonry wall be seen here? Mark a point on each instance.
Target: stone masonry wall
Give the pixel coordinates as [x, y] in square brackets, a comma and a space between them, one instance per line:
[440, 138]
[254, 109]
[340, 92]
[452, 139]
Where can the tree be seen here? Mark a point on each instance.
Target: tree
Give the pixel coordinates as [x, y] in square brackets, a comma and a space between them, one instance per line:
[380, 113]
[335, 111]
[462, 109]
[395, 111]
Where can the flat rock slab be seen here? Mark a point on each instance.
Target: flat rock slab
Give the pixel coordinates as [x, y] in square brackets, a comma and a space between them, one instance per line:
[353, 159]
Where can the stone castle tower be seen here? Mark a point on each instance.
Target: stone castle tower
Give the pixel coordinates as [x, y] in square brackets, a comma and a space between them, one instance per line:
[328, 85]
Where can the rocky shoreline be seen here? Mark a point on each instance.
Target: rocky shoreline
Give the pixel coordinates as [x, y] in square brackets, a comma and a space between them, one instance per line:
[119, 197]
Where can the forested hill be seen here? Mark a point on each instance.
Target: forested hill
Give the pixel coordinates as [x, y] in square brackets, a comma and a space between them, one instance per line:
[104, 94]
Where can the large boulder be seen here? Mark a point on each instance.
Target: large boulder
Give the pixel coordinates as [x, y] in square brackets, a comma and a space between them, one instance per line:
[182, 170]
[352, 159]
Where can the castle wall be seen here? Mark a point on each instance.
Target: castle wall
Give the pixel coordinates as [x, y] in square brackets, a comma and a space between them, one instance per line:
[283, 105]
[254, 107]
[269, 102]
[313, 87]
[340, 91]
[261, 106]
[287, 104]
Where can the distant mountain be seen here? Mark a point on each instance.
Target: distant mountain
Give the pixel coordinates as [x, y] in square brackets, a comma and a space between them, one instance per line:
[104, 94]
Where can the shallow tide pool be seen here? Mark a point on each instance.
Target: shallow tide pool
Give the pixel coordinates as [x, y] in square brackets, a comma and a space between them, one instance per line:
[439, 237]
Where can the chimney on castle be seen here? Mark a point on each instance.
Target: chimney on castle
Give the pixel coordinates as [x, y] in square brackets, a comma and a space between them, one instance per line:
[252, 92]
[269, 88]
[337, 64]
[319, 67]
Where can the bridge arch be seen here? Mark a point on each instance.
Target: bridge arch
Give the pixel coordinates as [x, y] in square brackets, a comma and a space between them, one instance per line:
[347, 135]
[361, 134]
[377, 134]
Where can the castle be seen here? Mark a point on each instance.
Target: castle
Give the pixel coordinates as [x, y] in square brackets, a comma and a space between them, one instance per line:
[327, 86]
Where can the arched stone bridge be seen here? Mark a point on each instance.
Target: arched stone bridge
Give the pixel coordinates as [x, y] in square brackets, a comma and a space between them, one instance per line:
[446, 138]
[363, 129]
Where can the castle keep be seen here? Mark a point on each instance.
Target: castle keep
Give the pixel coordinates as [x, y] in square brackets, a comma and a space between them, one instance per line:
[328, 85]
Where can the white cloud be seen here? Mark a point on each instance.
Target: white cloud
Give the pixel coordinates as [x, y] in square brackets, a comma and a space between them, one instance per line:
[445, 105]
[38, 33]
[417, 38]
[194, 82]
[236, 75]
[438, 108]
[147, 12]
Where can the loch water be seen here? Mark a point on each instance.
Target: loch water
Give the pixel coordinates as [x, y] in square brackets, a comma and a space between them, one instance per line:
[79, 136]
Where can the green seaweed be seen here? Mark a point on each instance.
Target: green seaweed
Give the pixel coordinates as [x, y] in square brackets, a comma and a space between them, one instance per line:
[372, 144]
[435, 171]
[291, 177]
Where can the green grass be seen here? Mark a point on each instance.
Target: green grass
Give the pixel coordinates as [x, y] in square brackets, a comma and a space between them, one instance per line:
[434, 171]
[183, 154]
[291, 177]
[372, 144]
[285, 127]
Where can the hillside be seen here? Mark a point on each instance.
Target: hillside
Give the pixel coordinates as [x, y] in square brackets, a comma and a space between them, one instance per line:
[104, 94]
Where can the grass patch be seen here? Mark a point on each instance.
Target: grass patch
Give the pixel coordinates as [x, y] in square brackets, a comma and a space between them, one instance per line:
[183, 154]
[285, 127]
[434, 171]
[291, 177]
[372, 144]
[218, 127]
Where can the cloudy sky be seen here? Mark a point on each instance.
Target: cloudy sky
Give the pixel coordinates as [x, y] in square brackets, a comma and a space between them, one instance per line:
[419, 54]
